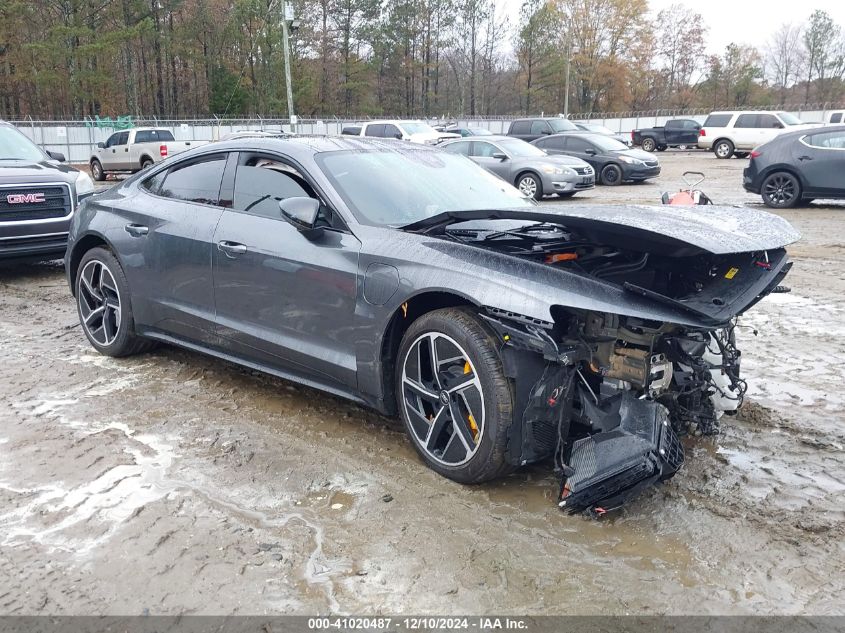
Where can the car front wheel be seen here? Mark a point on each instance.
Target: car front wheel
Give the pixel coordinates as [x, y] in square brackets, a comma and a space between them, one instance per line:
[453, 396]
[530, 185]
[97, 171]
[723, 149]
[104, 306]
[781, 190]
[611, 175]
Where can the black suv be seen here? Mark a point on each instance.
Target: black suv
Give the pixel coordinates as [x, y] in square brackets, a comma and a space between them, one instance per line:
[38, 196]
[536, 127]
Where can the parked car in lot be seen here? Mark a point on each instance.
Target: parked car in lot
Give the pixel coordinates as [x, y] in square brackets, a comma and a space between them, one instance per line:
[409, 279]
[38, 197]
[613, 162]
[835, 117]
[595, 128]
[413, 131]
[469, 130]
[351, 130]
[798, 167]
[675, 133]
[133, 150]
[738, 132]
[531, 129]
[531, 170]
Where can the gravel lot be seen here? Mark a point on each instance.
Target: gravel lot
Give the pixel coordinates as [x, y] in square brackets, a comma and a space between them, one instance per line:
[174, 483]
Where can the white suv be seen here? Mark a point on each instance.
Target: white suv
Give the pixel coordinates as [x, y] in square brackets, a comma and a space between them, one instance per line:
[414, 131]
[738, 132]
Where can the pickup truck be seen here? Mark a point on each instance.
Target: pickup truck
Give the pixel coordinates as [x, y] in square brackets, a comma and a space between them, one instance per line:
[133, 150]
[676, 132]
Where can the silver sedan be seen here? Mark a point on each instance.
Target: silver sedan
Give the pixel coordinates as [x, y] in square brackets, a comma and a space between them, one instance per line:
[527, 167]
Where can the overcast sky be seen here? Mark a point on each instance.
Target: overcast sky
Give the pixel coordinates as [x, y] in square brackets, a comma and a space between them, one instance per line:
[742, 21]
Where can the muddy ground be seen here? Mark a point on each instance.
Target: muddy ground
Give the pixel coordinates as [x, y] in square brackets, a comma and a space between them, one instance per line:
[174, 483]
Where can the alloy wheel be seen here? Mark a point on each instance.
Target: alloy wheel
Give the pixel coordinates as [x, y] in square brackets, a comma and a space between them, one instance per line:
[723, 150]
[528, 186]
[99, 303]
[443, 399]
[780, 189]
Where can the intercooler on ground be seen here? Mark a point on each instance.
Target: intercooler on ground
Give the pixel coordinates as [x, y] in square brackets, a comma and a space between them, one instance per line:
[635, 448]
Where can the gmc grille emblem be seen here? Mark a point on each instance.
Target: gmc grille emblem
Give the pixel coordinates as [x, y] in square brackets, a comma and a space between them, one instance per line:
[25, 198]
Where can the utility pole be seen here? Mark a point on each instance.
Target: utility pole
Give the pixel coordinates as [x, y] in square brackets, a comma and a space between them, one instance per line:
[287, 21]
[569, 50]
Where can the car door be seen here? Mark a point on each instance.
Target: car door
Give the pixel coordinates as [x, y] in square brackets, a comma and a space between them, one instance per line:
[583, 149]
[821, 158]
[166, 247]
[768, 128]
[109, 157]
[746, 133]
[539, 128]
[482, 153]
[283, 299]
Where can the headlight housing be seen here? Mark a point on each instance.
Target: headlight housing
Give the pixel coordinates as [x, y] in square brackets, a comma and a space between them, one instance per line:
[84, 186]
[631, 161]
[555, 170]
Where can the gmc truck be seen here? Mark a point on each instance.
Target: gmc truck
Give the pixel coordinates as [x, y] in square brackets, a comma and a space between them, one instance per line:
[133, 150]
[675, 133]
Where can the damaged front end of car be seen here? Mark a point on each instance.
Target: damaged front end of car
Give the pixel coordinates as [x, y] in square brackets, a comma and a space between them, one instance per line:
[607, 394]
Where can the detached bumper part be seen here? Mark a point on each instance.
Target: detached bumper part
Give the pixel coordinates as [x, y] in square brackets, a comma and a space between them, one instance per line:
[614, 465]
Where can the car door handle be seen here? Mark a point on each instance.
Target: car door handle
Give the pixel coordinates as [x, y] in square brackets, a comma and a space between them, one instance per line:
[136, 230]
[805, 158]
[231, 248]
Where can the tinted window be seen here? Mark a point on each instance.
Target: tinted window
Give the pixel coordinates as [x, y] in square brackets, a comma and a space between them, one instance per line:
[461, 147]
[112, 140]
[554, 142]
[122, 138]
[577, 144]
[153, 184]
[153, 136]
[260, 188]
[391, 131]
[538, 127]
[836, 118]
[827, 140]
[718, 120]
[375, 130]
[480, 148]
[768, 121]
[688, 124]
[746, 121]
[520, 127]
[197, 182]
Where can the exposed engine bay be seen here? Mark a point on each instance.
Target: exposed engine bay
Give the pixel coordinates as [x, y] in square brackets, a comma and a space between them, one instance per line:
[608, 396]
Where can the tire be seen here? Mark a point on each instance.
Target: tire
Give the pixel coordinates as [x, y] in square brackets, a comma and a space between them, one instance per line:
[611, 175]
[723, 149]
[104, 306]
[473, 452]
[649, 145]
[530, 185]
[741, 154]
[97, 172]
[781, 190]
[662, 148]
[146, 162]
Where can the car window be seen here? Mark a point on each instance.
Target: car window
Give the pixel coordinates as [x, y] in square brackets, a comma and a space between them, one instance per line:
[260, 186]
[484, 149]
[689, 124]
[575, 144]
[153, 183]
[554, 142]
[153, 136]
[768, 121]
[122, 138]
[827, 140]
[746, 121]
[790, 119]
[112, 140]
[195, 182]
[836, 118]
[461, 147]
[718, 120]
[538, 127]
[561, 125]
[377, 130]
[391, 131]
[520, 127]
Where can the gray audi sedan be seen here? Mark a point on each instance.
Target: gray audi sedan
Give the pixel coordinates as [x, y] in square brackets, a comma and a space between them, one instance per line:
[529, 168]
[411, 280]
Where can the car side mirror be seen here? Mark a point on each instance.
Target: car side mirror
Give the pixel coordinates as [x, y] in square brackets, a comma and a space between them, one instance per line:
[590, 152]
[500, 156]
[398, 136]
[302, 213]
[56, 156]
[101, 145]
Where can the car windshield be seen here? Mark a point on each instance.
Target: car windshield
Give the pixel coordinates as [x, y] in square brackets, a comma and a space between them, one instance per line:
[517, 148]
[399, 187]
[600, 129]
[562, 125]
[790, 119]
[607, 144]
[16, 146]
[415, 127]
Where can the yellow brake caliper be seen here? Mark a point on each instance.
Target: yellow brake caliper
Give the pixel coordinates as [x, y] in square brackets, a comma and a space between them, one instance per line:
[472, 424]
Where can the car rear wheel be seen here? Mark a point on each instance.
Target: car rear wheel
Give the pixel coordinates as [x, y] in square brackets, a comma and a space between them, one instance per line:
[723, 149]
[97, 171]
[453, 396]
[611, 175]
[781, 190]
[649, 145]
[741, 154]
[104, 306]
[147, 162]
[662, 148]
[530, 185]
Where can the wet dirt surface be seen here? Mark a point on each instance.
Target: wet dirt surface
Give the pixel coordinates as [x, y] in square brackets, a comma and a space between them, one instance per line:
[173, 483]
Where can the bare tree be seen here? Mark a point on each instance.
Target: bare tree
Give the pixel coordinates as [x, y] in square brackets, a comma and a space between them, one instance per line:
[680, 45]
[784, 57]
